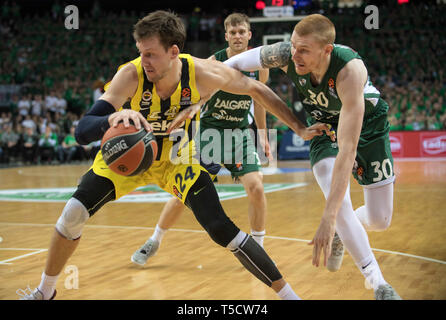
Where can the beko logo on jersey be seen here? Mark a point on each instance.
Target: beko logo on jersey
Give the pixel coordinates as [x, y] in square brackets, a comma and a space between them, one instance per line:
[121, 145]
[233, 104]
[160, 127]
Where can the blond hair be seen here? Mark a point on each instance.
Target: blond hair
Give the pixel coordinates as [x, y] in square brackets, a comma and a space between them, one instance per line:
[319, 26]
[236, 18]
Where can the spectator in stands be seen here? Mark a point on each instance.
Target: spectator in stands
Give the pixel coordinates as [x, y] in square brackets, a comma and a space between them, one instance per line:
[420, 121]
[51, 102]
[440, 106]
[24, 105]
[443, 121]
[432, 123]
[5, 118]
[61, 104]
[70, 148]
[38, 105]
[29, 146]
[14, 105]
[28, 122]
[395, 123]
[47, 122]
[47, 145]
[10, 142]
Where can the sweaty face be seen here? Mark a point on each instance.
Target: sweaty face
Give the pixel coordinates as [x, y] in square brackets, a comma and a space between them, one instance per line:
[238, 37]
[155, 60]
[307, 53]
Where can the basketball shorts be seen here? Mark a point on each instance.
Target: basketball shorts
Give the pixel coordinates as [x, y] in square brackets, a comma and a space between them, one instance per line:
[175, 179]
[374, 161]
[236, 151]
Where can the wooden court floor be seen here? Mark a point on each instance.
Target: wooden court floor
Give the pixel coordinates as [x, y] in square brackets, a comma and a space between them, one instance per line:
[411, 253]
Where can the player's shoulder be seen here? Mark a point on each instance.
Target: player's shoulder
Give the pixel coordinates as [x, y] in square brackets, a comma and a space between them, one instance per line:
[206, 65]
[345, 53]
[126, 76]
[128, 71]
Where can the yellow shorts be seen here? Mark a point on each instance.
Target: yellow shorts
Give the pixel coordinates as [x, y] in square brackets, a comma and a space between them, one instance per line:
[176, 179]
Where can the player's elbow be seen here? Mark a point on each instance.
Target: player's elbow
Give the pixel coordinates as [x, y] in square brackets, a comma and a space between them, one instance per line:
[79, 134]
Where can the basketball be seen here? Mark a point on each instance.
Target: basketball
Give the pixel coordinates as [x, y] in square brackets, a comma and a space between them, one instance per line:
[128, 151]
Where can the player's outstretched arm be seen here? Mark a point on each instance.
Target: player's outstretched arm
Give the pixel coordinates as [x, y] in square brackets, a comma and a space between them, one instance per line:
[276, 55]
[212, 76]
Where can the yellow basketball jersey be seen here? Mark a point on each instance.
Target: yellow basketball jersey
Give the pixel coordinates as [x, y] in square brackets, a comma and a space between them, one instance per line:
[175, 169]
[160, 113]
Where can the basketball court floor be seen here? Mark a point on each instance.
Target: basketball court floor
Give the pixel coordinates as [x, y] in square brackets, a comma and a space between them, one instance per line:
[411, 253]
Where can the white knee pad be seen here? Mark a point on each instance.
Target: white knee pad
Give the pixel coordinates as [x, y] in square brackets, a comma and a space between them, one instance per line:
[72, 219]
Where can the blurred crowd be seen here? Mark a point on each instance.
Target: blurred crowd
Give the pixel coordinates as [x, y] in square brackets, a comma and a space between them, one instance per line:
[48, 137]
[59, 73]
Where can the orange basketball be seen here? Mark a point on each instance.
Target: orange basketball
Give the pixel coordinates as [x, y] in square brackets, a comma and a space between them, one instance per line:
[128, 151]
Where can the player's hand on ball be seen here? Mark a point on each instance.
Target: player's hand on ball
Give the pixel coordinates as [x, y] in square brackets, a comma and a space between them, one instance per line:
[125, 116]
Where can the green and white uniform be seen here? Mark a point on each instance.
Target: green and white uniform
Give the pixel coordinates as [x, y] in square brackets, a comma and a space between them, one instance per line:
[230, 111]
[374, 161]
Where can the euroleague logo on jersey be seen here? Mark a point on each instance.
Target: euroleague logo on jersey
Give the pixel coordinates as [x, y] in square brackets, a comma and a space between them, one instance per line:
[331, 88]
[185, 92]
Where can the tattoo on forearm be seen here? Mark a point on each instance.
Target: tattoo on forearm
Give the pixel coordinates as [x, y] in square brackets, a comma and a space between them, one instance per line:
[275, 55]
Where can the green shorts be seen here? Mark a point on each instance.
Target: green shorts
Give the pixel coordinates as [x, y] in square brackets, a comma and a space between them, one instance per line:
[232, 148]
[374, 161]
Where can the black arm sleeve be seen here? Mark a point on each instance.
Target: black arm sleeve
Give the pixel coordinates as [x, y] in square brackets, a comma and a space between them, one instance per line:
[95, 122]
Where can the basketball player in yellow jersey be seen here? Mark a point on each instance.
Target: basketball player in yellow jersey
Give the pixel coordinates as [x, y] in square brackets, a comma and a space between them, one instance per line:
[160, 84]
[238, 33]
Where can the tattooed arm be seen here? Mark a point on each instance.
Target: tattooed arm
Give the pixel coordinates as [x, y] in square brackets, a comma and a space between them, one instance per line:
[275, 55]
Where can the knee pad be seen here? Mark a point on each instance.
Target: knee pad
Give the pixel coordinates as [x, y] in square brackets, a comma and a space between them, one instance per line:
[254, 258]
[72, 219]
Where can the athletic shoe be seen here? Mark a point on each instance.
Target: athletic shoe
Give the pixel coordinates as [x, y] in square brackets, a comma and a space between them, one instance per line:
[386, 292]
[34, 295]
[147, 250]
[334, 261]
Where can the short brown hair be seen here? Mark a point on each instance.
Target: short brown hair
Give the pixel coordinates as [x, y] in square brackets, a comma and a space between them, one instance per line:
[236, 18]
[319, 26]
[165, 24]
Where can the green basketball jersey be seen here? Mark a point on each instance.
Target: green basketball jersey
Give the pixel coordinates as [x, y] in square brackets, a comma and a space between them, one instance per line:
[227, 110]
[321, 102]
